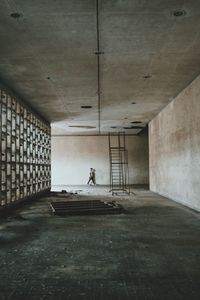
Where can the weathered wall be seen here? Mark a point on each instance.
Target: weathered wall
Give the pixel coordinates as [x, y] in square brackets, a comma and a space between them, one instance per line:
[72, 158]
[174, 147]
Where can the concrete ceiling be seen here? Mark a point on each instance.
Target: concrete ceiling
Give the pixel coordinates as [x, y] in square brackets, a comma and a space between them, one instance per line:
[47, 57]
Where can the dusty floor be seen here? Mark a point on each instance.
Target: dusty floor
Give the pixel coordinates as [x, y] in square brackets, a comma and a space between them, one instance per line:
[152, 251]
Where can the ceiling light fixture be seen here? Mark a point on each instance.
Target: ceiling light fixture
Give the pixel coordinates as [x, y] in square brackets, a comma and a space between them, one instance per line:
[179, 13]
[86, 106]
[147, 76]
[16, 15]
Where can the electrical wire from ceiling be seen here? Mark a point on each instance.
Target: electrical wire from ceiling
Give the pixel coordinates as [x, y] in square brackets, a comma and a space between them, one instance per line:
[98, 53]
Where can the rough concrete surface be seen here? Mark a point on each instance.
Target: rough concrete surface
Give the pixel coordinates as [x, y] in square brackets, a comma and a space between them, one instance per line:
[47, 57]
[72, 158]
[174, 148]
[152, 251]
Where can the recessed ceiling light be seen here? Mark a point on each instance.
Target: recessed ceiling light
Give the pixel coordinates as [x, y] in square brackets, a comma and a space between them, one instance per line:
[133, 102]
[179, 13]
[86, 106]
[147, 76]
[16, 15]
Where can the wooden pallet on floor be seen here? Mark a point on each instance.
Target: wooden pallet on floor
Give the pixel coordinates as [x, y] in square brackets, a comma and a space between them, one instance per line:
[88, 207]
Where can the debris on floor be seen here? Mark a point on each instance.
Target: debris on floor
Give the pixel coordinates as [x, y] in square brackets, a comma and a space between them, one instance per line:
[64, 192]
[86, 207]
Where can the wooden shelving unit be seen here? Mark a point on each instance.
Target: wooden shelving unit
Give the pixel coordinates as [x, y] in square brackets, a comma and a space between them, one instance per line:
[25, 151]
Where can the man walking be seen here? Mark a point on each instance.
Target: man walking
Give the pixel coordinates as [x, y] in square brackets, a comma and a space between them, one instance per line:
[92, 176]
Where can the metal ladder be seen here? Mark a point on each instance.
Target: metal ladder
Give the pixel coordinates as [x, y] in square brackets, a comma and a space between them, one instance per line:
[118, 154]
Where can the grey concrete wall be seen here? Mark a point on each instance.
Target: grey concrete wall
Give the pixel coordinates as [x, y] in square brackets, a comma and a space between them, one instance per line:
[72, 158]
[174, 148]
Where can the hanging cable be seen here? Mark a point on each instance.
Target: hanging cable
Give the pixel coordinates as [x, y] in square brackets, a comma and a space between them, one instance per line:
[98, 53]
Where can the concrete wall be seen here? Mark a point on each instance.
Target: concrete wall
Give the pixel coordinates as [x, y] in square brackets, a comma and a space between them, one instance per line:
[174, 147]
[72, 158]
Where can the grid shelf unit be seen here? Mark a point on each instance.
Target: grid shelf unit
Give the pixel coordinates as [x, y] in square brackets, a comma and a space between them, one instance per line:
[25, 151]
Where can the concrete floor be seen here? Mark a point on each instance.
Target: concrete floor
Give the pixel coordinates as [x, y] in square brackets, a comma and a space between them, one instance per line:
[152, 251]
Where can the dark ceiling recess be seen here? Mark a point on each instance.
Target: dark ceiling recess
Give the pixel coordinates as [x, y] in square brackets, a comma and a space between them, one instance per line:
[179, 13]
[86, 106]
[113, 127]
[98, 52]
[136, 122]
[147, 76]
[133, 102]
[16, 15]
